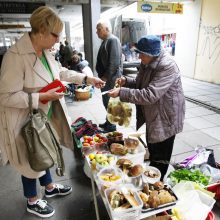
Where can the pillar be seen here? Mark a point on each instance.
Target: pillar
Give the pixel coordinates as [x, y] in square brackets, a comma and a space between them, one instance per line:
[91, 14]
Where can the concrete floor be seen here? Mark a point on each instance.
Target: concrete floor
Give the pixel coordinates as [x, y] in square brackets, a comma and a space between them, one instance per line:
[202, 127]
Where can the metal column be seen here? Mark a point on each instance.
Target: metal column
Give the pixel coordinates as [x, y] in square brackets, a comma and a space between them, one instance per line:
[91, 14]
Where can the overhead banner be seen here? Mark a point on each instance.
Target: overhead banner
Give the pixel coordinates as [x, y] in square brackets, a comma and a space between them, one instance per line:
[19, 7]
[157, 7]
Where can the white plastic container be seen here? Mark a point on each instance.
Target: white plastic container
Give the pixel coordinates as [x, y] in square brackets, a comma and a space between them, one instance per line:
[148, 179]
[111, 163]
[134, 180]
[132, 213]
[136, 158]
[113, 170]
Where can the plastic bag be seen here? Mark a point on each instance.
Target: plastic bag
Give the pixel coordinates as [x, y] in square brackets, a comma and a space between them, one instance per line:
[210, 171]
[194, 204]
[201, 156]
[119, 112]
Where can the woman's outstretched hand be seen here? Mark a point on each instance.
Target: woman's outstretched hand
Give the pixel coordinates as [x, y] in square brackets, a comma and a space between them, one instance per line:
[95, 81]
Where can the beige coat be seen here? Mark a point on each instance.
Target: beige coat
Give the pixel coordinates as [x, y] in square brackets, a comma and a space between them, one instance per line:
[21, 73]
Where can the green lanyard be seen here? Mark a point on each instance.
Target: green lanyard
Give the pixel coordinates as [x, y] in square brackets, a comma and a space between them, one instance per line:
[45, 63]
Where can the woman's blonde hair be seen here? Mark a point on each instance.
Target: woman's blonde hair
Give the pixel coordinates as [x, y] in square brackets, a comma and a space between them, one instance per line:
[45, 20]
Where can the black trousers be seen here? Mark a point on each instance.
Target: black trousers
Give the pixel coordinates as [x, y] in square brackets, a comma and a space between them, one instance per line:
[160, 154]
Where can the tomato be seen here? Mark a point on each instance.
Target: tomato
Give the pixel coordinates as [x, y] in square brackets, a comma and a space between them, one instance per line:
[89, 139]
[104, 139]
[85, 144]
[92, 142]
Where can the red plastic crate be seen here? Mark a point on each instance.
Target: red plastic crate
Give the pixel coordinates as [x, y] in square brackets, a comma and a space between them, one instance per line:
[211, 216]
[215, 188]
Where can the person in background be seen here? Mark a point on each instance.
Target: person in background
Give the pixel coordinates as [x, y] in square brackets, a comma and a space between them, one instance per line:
[61, 54]
[80, 66]
[109, 63]
[68, 52]
[173, 47]
[83, 61]
[158, 95]
[27, 67]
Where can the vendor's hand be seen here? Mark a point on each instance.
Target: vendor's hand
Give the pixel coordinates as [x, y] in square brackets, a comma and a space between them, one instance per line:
[103, 78]
[120, 81]
[114, 92]
[95, 81]
[51, 95]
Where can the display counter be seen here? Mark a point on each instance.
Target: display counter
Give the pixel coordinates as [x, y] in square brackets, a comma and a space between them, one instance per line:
[95, 184]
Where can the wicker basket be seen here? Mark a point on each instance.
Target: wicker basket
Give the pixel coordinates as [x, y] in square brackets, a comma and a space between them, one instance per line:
[82, 95]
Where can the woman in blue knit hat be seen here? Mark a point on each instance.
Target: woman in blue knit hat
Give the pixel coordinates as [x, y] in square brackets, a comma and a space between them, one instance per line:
[158, 95]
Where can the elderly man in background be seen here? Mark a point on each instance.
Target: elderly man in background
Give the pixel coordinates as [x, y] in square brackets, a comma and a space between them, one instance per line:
[109, 64]
[158, 95]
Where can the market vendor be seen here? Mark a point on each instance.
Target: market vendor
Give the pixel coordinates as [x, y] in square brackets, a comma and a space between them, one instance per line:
[158, 95]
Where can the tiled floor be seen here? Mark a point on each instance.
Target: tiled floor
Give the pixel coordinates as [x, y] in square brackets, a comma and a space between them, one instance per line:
[206, 92]
[202, 127]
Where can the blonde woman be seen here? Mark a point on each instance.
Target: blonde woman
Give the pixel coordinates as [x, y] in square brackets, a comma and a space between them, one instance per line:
[27, 67]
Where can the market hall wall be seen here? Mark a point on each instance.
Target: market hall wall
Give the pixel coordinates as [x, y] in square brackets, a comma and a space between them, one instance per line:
[186, 27]
[208, 53]
[187, 31]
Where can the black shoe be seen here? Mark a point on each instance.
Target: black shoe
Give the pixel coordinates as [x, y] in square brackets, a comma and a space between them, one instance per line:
[109, 128]
[41, 209]
[60, 190]
[103, 125]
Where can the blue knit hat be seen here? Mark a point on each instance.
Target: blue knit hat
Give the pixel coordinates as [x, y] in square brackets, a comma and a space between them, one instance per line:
[149, 45]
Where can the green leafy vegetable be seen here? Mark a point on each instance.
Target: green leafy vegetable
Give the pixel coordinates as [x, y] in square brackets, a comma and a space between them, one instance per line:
[189, 175]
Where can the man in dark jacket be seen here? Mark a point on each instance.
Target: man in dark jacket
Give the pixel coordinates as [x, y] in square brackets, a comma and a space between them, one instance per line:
[109, 65]
[158, 95]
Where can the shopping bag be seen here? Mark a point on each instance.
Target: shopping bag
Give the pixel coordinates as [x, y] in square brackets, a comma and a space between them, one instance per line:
[44, 150]
[119, 112]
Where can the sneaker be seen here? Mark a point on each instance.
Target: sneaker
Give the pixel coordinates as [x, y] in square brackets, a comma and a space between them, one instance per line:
[109, 128]
[59, 190]
[41, 209]
[102, 125]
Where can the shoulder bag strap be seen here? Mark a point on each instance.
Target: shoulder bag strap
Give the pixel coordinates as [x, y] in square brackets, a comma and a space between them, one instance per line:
[60, 169]
[30, 105]
[60, 162]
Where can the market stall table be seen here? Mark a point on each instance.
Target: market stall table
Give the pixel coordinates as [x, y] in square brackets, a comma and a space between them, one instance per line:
[94, 182]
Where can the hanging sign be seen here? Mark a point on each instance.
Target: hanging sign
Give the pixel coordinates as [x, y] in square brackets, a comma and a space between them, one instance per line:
[19, 7]
[157, 7]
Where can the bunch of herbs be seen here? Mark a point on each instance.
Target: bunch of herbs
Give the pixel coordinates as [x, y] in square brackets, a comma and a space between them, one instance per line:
[189, 175]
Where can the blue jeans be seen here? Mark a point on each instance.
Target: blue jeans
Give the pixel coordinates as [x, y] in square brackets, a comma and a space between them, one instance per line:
[30, 187]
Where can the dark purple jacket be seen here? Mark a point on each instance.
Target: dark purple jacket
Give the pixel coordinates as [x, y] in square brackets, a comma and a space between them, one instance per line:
[158, 95]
